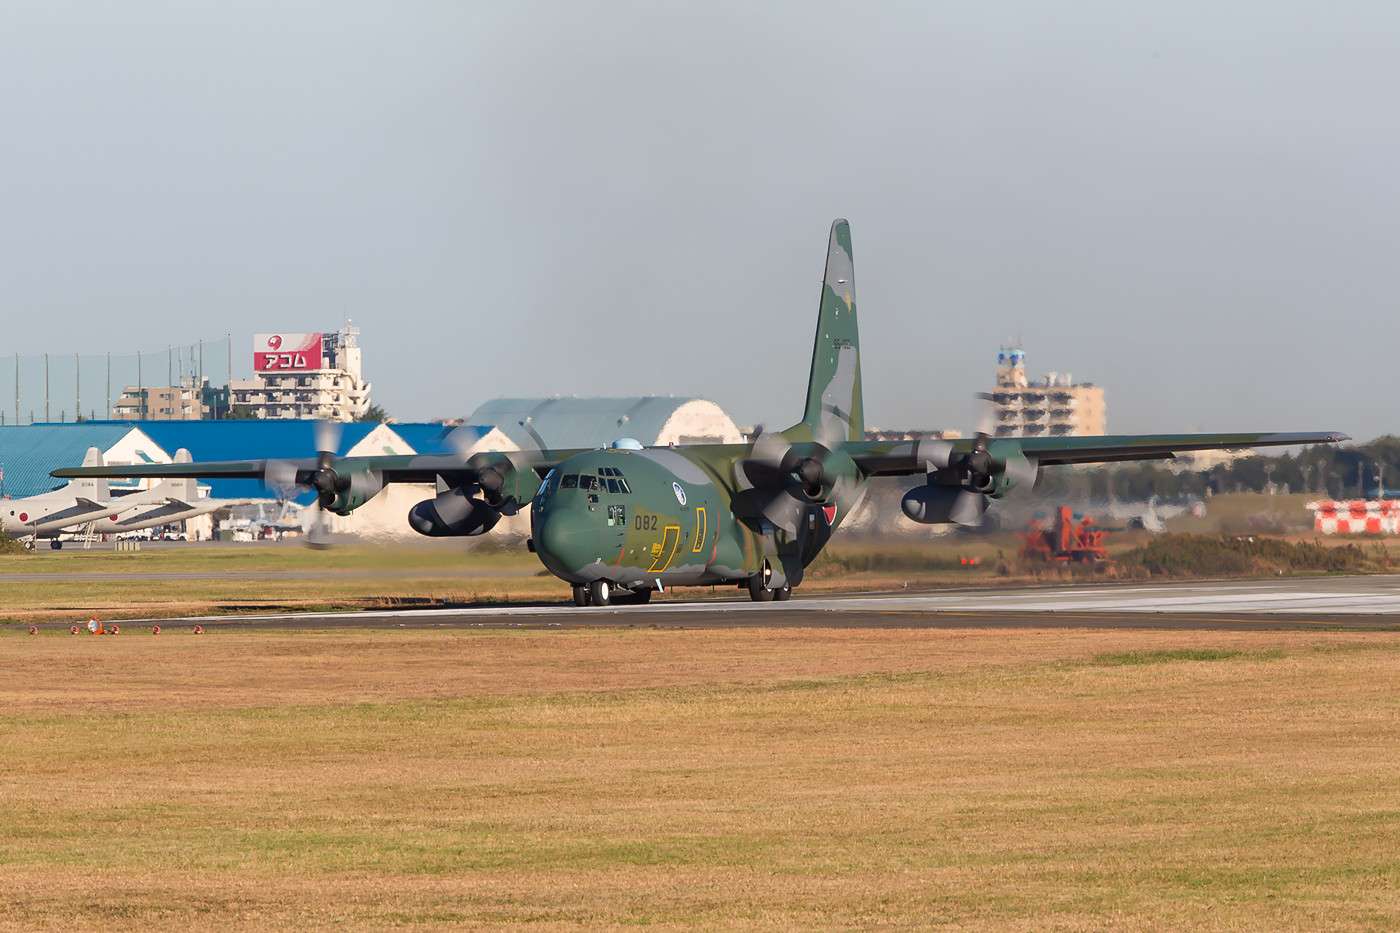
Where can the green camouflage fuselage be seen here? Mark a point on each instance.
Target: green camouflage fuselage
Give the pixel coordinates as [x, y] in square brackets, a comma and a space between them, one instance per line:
[666, 516]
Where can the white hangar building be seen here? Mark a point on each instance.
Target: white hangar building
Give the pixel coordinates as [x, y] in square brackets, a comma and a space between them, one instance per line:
[567, 422]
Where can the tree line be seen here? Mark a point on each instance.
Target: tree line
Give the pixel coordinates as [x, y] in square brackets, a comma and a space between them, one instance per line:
[1327, 471]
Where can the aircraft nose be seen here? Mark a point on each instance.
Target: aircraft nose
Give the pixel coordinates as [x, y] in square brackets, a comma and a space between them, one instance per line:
[567, 537]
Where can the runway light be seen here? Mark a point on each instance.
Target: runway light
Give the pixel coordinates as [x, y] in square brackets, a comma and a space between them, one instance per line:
[95, 627]
[156, 630]
[199, 630]
[74, 630]
[34, 630]
[115, 630]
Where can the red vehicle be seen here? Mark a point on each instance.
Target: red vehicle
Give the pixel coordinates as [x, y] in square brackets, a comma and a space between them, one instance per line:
[1068, 541]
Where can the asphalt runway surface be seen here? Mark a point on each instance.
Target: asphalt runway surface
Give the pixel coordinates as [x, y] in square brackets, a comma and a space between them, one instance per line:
[1363, 602]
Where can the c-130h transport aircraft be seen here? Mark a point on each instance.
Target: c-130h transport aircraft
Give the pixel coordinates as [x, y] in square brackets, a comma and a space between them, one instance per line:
[622, 522]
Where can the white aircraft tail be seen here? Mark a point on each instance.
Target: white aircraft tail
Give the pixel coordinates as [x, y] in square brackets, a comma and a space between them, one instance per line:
[89, 487]
[183, 488]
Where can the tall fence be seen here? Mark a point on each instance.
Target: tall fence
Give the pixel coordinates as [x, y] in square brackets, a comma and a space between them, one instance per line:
[66, 387]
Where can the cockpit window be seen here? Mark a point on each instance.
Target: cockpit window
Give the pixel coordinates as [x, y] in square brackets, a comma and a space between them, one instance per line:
[612, 485]
[622, 486]
[547, 488]
[570, 481]
[589, 482]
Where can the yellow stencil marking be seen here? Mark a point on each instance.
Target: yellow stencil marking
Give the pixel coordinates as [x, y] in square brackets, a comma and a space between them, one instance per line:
[670, 538]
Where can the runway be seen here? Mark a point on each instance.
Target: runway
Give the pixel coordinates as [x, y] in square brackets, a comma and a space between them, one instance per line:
[1348, 602]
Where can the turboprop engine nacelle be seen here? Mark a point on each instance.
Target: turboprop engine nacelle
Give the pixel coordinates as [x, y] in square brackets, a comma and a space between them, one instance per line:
[453, 513]
[941, 505]
[1007, 468]
[505, 480]
[344, 494]
[816, 476]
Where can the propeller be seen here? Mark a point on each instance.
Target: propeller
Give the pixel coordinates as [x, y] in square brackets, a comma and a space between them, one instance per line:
[493, 468]
[326, 481]
[960, 485]
[787, 478]
[498, 483]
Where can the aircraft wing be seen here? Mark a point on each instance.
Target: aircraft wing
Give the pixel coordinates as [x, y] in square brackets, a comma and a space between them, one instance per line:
[901, 458]
[455, 469]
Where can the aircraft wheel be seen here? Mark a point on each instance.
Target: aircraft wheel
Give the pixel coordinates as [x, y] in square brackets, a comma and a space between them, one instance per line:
[600, 592]
[56, 544]
[757, 591]
[642, 596]
[782, 594]
[580, 595]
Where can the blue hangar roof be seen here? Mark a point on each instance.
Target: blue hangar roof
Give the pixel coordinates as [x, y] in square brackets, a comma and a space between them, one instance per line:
[246, 440]
[431, 438]
[29, 451]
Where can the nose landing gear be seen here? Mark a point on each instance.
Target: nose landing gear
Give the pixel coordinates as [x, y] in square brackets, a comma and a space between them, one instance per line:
[597, 593]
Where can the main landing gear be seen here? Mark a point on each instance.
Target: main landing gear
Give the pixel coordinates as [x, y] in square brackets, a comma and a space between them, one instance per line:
[603, 593]
[761, 589]
[761, 593]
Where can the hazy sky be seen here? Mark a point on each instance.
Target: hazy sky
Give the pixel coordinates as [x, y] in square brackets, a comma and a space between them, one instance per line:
[1192, 204]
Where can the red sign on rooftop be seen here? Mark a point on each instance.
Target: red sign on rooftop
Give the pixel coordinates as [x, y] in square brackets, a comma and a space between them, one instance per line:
[275, 353]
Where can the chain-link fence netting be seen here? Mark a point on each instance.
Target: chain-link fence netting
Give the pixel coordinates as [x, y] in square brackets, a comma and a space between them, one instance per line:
[67, 387]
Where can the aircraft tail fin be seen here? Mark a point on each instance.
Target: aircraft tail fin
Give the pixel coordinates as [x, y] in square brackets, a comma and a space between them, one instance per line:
[90, 487]
[835, 412]
[183, 488]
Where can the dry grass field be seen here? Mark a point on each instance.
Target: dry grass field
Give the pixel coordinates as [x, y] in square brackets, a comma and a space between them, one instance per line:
[700, 780]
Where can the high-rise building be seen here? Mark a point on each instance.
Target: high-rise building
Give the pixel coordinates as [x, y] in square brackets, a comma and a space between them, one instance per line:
[1054, 406]
[305, 376]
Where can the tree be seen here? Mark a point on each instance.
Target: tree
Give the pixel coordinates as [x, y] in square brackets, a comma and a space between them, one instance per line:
[241, 413]
[374, 413]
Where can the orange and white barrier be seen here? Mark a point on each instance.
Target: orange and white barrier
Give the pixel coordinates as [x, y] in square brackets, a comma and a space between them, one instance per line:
[1356, 516]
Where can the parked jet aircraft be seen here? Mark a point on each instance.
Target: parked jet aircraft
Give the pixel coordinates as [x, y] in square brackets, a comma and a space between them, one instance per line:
[85, 505]
[625, 521]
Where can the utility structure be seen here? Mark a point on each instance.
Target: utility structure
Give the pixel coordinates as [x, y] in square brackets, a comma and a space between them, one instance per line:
[1070, 540]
